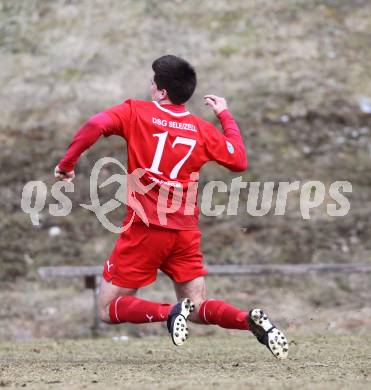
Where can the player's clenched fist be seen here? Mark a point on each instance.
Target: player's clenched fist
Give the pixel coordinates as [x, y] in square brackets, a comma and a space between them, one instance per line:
[65, 176]
[218, 104]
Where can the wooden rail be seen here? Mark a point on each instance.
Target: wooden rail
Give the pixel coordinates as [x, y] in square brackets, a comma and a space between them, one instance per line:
[226, 269]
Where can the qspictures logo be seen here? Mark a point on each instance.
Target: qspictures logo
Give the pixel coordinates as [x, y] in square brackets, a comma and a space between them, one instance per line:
[173, 198]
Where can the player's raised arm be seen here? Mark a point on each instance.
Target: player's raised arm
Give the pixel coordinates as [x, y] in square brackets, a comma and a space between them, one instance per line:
[110, 122]
[226, 149]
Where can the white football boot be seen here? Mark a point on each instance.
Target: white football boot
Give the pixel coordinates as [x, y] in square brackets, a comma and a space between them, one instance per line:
[267, 333]
[177, 321]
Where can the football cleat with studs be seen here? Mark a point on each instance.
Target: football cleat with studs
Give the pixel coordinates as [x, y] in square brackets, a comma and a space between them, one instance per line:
[268, 334]
[177, 321]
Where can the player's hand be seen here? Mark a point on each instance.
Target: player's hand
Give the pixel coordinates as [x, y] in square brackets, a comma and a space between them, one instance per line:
[218, 104]
[65, 176]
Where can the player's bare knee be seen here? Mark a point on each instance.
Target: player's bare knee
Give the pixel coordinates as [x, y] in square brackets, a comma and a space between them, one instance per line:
[198, 303]
[194, 317]
[103, 313]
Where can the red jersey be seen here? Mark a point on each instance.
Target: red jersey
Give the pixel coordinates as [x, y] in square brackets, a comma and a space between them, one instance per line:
[169, 145]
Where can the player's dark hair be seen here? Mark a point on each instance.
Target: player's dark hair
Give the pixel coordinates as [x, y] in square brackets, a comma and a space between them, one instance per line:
[175, 75]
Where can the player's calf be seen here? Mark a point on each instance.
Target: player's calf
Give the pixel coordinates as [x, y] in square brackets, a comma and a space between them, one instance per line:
[216, 312]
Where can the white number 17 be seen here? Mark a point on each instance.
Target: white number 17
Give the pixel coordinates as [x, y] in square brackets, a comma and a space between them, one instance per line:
[160, 150]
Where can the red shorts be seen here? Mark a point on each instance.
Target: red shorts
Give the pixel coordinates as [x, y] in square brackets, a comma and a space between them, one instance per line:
[140, 251]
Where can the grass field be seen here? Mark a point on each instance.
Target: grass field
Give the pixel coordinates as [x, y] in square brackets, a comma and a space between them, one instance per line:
[234, 362]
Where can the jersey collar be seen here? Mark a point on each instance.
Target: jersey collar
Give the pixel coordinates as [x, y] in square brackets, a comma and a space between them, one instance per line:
[178, 114]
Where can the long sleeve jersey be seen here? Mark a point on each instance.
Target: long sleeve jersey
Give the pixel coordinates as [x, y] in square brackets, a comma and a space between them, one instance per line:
[168, 145]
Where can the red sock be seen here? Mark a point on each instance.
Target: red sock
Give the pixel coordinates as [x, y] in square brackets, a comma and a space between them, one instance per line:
[221, 313]
[137, 311]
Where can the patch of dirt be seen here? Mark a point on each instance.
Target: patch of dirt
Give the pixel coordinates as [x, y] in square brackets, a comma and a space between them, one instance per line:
[208, 362]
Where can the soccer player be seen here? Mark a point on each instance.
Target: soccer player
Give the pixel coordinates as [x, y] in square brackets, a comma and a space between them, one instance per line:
[168, 146]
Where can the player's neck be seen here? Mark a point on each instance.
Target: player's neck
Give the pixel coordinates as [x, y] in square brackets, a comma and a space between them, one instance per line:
[167, 101]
